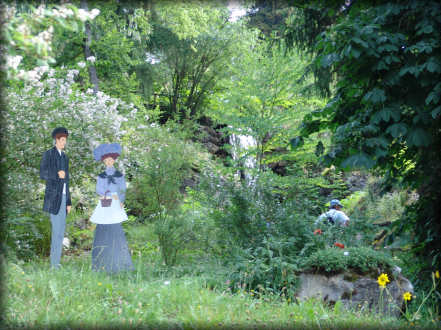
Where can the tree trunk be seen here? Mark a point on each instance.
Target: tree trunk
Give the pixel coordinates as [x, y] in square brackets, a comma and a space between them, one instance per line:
[87, 53]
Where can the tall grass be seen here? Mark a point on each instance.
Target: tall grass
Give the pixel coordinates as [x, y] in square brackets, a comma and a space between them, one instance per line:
[76, 296]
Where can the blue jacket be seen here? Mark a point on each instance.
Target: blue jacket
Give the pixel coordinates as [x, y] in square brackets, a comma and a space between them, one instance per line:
[113, 181]
[51, 163]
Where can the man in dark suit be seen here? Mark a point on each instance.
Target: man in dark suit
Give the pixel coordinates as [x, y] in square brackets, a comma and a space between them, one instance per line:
[54, 169]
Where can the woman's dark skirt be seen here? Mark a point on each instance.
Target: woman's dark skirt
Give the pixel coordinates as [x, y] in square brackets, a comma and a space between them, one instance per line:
[110, 251]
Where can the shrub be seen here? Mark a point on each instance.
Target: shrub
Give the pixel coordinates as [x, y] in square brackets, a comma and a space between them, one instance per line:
[27, 234]
[50, 98]
[265, 268]
[359, 259]
[158, 170]
[156, 195]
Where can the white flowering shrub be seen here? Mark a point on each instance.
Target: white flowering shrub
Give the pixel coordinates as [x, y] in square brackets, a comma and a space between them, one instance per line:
[28, 35]
[35, 106]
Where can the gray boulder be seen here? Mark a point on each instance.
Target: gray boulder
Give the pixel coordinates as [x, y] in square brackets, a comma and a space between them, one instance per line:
[356, 291]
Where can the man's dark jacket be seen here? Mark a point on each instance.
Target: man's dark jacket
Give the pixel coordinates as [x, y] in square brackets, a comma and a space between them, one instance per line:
[50, 164]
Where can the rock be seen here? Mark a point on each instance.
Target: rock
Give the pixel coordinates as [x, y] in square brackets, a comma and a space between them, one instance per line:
[279, 167]
[356, 291]
[213, 139]
[356, 181]
[330, 289]
[211, 147]
[189, 182]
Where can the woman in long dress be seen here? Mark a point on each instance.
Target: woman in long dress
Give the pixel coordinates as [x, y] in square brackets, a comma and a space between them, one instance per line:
[110, 251]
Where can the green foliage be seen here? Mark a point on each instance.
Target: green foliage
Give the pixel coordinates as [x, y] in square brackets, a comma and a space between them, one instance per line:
[190, 19]
[265, 268]
[29, 31]
[27, 234]
[158, 173]
[155, 193]
[262, 93]
[246, 213]
[270, 18]
[187, 61]
[174, 233]
[359, 259]
[79, 231]
[118, 50]
[385, 111]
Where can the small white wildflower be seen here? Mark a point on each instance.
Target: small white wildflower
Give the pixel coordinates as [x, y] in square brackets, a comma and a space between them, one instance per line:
[166, 282]
[346, 253]
[66, 242]
[81, 64]
[91, 59]
[94, 13]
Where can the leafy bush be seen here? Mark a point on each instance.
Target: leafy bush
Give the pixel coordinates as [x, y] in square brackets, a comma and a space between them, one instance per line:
[27, 234]
[158, 172]
[261, 235]
[246, 213]
[359, 259]
[265, 268]
[155, 194]
[46, 99]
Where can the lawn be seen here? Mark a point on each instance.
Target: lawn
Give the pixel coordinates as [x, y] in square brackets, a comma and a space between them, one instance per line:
[183, 297]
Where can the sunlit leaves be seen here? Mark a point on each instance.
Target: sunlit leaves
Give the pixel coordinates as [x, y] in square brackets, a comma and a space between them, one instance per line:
[190, 19]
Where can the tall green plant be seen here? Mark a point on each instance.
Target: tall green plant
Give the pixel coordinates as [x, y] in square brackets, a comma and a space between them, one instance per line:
[155, 191]
[261, 94]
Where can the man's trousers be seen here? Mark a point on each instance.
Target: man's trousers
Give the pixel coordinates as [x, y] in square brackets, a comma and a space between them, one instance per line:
[58, 226]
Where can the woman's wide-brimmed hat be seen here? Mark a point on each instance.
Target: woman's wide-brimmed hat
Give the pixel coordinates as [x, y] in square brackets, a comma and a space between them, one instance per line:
[107, 150]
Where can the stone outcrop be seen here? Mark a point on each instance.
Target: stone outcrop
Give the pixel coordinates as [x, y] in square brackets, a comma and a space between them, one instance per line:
[213, 139]
[356, 291]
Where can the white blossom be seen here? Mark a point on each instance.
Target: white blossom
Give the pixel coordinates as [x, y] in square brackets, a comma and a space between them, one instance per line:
[23, 29]
[82, 15]
[91, 59]
[94, 13]
[81, 64]
[13, 61]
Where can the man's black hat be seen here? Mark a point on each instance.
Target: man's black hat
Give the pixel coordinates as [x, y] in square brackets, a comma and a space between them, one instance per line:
[59, 130]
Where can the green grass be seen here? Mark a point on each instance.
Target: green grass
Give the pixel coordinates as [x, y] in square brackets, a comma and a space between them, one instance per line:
[75, 295]
[192, 294]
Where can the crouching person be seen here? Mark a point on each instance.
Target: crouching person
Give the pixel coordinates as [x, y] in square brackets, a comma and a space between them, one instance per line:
[334, 216]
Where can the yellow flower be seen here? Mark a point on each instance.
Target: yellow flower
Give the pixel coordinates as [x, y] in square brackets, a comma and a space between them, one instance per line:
[437, 274]
[407, 296]
[99, 283]
[383, 280]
